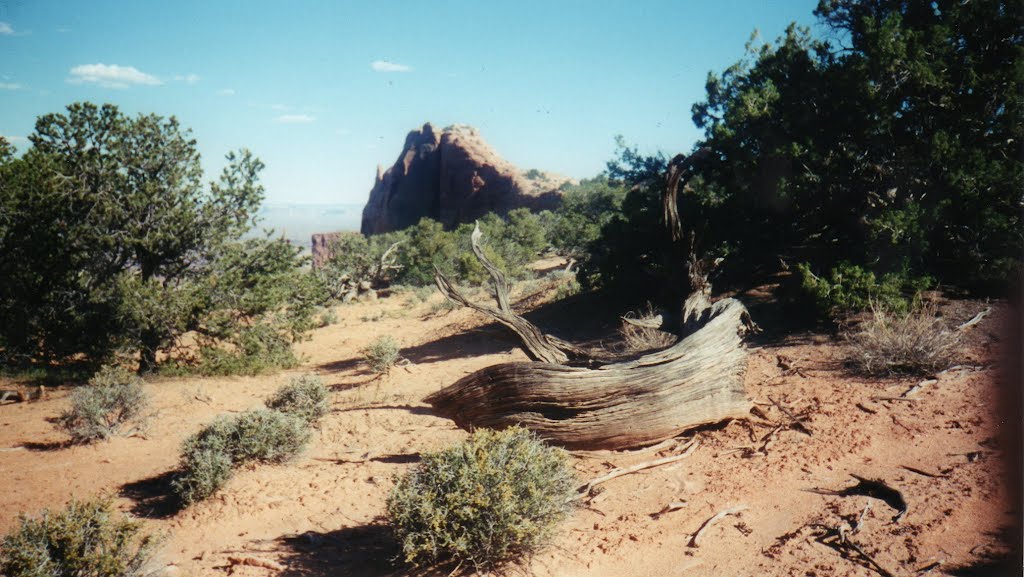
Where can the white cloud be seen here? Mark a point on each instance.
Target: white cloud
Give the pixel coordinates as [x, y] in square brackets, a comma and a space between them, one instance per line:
[6, 29]
[111, 76]
[188, 78]
[10, 86]
[388, 66]
[280, 107]
[226, 92]
[295, 119]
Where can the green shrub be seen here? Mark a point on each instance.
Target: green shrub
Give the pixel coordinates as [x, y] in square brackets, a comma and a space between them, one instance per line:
[255, 350]
[916, 342]
[86, 539]
[327, 318]
[202, 473]
[208, 457]
[100, 409]
[381, 355]
[850, 288]
[497, 496]
[304, 397]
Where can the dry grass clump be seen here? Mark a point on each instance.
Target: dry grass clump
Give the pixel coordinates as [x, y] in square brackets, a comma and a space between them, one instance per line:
[99, 410]
[487, 501]
[86, 539]
[913, 343]
[638, 339]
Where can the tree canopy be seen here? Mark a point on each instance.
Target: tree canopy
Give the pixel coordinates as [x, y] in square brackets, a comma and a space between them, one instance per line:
[111, 243]
[892, 146]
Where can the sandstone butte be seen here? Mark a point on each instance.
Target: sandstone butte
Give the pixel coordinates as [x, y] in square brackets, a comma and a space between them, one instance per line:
[453, 176]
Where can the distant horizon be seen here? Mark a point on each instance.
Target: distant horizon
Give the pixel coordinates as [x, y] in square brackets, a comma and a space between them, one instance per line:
[326, 92]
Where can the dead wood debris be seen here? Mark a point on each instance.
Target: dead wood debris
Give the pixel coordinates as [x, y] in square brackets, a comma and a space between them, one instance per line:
[588, 488]
[253, 562]
[975, 319]
[797, 421]
[695, 540]
[673, 506]
[789, 366]
[837, 538]
[866, 409]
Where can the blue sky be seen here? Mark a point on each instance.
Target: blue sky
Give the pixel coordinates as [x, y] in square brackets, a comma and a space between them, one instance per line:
[323, 91]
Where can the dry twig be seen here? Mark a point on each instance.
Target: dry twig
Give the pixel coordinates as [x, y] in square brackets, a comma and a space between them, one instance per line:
[975, 319]
[586, 489]
[695, 540]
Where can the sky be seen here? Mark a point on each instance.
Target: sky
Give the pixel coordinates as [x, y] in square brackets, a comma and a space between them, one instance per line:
[324, 91]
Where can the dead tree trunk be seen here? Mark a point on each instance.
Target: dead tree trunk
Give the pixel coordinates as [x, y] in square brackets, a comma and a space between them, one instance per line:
[697, 381]
[581, 400]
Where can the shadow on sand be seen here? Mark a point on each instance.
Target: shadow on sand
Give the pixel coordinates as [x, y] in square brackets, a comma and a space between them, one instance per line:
[152, 497]
[364, 551]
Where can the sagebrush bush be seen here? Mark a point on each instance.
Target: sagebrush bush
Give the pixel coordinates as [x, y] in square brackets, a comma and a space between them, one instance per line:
[915, 342]
[304, 397]
[495, 497]
[381, 354]
[86, 539]
[202, 473]
[112, 398]
[208, 457]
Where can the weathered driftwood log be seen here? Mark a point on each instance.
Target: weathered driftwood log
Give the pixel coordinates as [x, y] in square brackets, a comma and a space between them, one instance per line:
[697, 381]
[583, 400]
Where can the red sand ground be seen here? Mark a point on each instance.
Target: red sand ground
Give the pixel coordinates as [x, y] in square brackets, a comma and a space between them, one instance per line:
[321, 515]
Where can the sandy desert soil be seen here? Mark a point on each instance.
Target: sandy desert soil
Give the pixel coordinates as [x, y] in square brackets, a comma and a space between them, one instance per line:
[945, 451]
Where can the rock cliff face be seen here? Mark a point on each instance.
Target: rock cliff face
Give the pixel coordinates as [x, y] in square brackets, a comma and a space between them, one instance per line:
[452, 176]
[321, 246]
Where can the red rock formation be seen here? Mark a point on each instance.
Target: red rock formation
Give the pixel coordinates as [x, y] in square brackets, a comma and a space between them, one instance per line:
[321, 247]
[452, 176]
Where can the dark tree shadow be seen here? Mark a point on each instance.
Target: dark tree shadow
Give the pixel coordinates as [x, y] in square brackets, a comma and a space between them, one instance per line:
[364, 551]
[152, 497]
[340, 366]
[488, 339]
[413, 409]
[46, 446]
[398, 459]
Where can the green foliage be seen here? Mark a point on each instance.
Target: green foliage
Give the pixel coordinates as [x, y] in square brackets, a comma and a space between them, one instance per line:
[304, 397]
[850, 288]
[113, 398]
[381, 354]
[914, 342]
[586, 208]
[208, 457]
[428, 246]
[356, 258]
[110, 243]
[897, 151]
[86, 539]
[511, 243]
[489, 500]
[202, 472]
